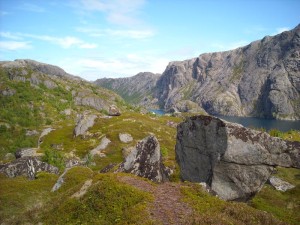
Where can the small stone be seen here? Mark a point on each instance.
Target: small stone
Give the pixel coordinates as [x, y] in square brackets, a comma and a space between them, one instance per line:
[31, 132]
[114, 111]
[103, 144]
[125, 137]
[280, 185]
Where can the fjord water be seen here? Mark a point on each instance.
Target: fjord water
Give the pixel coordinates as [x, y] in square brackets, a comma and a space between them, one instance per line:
[158, 111]
[251, 122]
[268, 124]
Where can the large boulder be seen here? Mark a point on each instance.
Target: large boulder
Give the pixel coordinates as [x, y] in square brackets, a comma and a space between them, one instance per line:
[145, 161]
[27, 166]
[233, 160]
[84, 122]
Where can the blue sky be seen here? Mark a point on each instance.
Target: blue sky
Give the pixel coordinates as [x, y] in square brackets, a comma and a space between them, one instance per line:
[117, 38]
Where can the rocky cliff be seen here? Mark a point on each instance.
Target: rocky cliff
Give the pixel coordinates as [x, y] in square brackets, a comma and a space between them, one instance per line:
[136, 90]
[233, 160]
[261, 79]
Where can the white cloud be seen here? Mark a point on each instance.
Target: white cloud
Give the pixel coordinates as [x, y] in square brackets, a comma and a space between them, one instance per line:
[14, 45]
[132, 34]
[121, 66]
[88, 46]
[121, 12]
[64, 42]
[281, 29]
[228, 46]
[9, 35]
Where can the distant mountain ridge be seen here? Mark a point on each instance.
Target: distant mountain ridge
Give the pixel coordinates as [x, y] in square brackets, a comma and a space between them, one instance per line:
[261, 79]
[135, 90]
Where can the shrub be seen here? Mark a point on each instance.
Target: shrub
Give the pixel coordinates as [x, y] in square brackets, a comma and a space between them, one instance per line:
[54, 158]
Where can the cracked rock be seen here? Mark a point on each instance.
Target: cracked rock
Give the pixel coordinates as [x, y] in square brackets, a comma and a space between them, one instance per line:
[233, 160]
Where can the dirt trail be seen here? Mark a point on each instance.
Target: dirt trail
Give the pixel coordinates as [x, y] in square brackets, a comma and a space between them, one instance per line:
[167, 207]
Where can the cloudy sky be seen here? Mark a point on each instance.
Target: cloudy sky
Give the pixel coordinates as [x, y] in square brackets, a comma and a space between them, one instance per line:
[117, 38]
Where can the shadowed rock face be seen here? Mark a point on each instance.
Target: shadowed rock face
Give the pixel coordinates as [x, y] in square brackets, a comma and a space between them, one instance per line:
[27, 166]
[233, 160]
[145, 161]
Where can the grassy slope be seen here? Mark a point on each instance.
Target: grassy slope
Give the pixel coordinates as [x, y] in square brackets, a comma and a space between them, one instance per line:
[22, 200]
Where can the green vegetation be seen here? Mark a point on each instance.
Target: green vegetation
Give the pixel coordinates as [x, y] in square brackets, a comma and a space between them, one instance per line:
[54, 158]
[237, 72]
[283, 205]
[21, 198]
[107, 201]
[211, 210]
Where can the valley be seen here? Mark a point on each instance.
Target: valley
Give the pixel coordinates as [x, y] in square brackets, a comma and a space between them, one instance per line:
[79, 152]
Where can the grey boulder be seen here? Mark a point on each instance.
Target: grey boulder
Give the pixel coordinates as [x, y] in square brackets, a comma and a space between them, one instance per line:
[27, 166]
[280, 185]
[145, 161]
[233, 160]
[84, 122]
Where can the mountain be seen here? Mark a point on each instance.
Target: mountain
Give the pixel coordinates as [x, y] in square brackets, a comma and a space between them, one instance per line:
[62, 153]
[135, 90]
[36, 95]
[261, 79]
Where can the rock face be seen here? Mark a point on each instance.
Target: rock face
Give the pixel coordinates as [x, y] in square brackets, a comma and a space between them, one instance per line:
[84, 122]
[145, 161]
[233, 160]
[27, 166]
[261, 79]
[136, 90]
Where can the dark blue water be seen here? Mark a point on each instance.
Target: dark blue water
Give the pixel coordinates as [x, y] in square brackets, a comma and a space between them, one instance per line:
[251, 122]
[282, 125]
[158, 111]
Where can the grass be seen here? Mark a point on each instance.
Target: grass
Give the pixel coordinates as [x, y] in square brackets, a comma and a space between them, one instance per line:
[19, 197]
[212, 210]
[283, 205]
[107, 201]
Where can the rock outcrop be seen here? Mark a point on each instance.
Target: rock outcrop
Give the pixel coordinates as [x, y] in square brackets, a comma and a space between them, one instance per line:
[261, 79]
[233, 160]
[145, 161]
[27, 166]
[280, 185]
[84, 122]
[103, 144]
[27, 152]
[114, 111]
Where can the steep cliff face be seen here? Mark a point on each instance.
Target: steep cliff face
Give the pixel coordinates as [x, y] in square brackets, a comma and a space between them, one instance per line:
[261, 79]
[136, 90]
